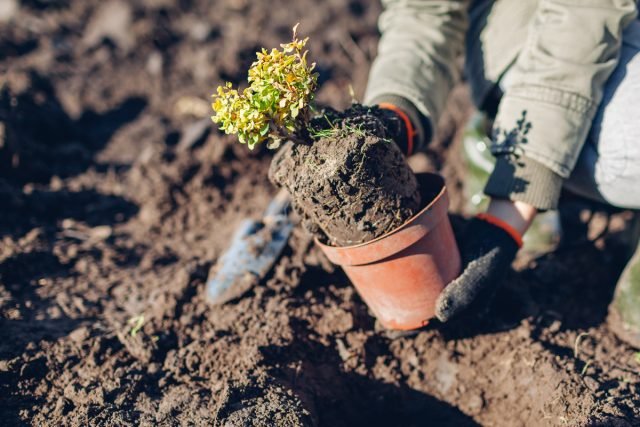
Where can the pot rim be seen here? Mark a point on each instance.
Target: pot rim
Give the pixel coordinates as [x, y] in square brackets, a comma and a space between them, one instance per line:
[412, 230]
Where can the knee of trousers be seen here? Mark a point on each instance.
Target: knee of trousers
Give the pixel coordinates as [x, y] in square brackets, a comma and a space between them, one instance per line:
[615, 132]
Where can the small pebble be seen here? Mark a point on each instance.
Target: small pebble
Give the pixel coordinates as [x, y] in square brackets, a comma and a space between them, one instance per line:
[8, 10]
[476, 403]
[591, 383]
[154, 63]
[101, 232]
[79, 334]
[111, 20]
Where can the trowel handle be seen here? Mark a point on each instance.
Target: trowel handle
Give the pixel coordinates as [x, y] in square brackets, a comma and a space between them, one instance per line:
[278, 205]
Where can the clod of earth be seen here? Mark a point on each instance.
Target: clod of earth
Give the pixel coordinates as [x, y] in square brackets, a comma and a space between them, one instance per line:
[352, 184]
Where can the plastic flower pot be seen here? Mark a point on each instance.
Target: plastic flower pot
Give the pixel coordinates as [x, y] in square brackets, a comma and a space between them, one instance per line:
[400, 274]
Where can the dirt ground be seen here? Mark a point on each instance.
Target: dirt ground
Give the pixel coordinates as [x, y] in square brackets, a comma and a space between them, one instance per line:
[117, 196]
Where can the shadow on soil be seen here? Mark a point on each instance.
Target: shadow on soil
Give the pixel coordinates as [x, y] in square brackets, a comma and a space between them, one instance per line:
[558, 286]
[25, 324]
[43, 208]
[337, 398]
[42, 141]
[19, 276]
[563, 289]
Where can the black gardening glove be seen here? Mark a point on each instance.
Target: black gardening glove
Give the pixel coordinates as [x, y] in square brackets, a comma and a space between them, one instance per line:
[415, 128]
[398, 126]
[394, 124]
[487, 251]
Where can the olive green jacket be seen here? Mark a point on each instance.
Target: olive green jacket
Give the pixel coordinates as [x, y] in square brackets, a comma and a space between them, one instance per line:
[559, 54]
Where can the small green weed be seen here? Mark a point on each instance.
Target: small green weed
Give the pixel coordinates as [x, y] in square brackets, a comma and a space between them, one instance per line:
[576, 345]
[137, 323]
[334, 131]
[585, 367]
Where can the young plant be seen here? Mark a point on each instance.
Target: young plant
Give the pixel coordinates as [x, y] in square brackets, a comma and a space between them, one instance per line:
[275, 105]
[136, 322]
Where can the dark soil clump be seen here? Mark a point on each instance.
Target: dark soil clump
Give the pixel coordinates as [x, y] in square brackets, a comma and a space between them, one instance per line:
[352, 184]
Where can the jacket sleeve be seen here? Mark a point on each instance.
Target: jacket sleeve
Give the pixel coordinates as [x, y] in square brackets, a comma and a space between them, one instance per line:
[554, 89]
[415, 68]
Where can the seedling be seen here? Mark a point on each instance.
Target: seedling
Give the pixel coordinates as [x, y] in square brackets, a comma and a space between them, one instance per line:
[137, 322]
[334, 130]
[585, 367]
[576, 345]
[576, 351]
[637, 357]
[276, 104]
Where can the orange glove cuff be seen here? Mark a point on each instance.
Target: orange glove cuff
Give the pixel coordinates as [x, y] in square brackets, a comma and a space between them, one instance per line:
[411, 132]
[503, 225]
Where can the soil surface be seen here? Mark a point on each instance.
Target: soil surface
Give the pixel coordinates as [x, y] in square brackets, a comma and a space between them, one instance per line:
[351, 186]
[117, 196]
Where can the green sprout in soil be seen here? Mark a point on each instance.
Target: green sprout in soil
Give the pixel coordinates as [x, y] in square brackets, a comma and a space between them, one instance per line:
[576, 345]
[276, 104]
[576, 351]
[335, 130]
[637, 357]
[137, 322]
[332, 130]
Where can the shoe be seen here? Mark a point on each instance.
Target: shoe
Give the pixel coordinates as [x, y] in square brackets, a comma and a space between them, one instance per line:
[545, 231]
[624, 310]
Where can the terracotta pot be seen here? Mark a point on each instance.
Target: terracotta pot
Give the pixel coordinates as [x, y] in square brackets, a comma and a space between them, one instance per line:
[400, 274]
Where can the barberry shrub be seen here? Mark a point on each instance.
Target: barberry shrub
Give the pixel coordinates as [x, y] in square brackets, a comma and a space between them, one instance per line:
[276, 104]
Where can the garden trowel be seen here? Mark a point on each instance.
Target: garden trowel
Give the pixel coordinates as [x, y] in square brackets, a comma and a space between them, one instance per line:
[255, 247]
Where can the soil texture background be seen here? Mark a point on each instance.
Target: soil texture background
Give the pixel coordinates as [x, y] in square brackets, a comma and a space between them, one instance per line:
[117, 196]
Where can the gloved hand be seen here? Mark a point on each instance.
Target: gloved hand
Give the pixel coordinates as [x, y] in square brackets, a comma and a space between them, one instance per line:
[487, 248]
[398, 126]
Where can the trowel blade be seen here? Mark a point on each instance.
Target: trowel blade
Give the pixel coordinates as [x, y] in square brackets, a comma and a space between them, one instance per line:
[254, 249]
